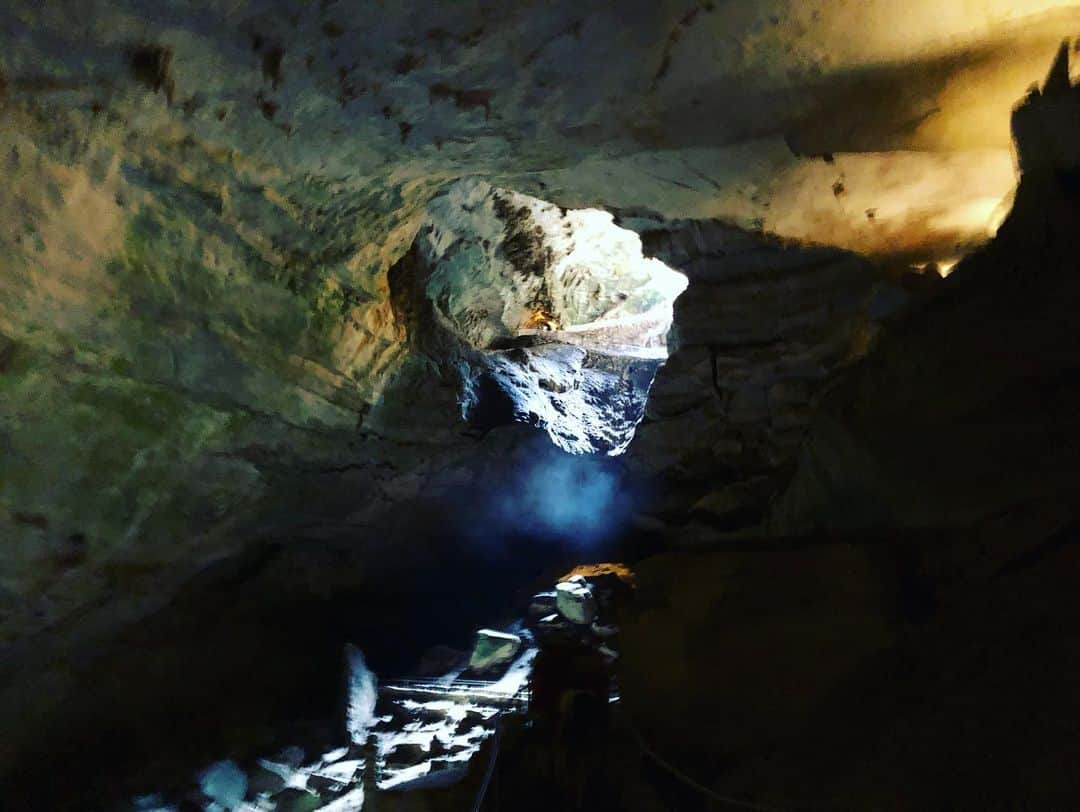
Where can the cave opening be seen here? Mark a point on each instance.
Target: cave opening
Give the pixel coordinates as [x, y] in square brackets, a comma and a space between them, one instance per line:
[560, 321]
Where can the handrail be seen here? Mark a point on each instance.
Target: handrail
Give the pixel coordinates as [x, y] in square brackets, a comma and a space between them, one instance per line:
[490, 768]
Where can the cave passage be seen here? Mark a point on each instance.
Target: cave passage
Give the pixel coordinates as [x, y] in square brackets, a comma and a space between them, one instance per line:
[564, 320]
[661, 406]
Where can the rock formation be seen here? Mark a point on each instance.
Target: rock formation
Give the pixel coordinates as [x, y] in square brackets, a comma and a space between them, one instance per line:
[235, 351]
[904, 631]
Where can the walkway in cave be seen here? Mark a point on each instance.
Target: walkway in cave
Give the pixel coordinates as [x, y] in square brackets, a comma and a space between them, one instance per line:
[415, 733]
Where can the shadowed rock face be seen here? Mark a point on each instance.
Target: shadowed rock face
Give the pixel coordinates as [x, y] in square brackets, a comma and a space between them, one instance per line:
[763, 324]
[207, 361]
[202, 205]
[906, 631]
[981, 420]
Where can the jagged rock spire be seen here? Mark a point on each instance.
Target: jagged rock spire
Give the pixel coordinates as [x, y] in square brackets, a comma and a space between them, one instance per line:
[1058, 81]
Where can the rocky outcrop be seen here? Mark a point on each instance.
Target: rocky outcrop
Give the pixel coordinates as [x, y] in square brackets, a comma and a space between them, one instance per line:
[202, 209]
[492, 649]
[539, 315]
[980, 418]
[905, 632]
[213, 411]
[762, 326]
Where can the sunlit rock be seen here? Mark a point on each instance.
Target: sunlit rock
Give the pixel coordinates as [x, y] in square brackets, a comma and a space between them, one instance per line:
[504, 264]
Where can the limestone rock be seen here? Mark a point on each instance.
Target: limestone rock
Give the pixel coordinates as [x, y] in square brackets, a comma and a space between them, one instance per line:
[999, 337]
[205, 355]
[575, 600]
[753, 342]
[492, 649]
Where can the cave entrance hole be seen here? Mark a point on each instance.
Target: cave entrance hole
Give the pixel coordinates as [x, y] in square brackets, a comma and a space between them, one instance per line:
[562, 321]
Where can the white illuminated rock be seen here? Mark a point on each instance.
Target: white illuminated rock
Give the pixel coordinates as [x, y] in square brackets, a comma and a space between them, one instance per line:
[492, 649]
[575, 601]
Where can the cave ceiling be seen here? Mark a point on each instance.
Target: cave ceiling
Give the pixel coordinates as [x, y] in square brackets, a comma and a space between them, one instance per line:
[202, 203]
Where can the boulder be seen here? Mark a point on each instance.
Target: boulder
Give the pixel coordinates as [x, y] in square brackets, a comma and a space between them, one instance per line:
[492, 649]
[575, 600]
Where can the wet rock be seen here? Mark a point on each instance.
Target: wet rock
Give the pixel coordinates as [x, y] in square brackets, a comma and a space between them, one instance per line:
[492, 649]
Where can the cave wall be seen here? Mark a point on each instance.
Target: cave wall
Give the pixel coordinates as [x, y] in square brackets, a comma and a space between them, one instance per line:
[901, 636]
[981, 419]
[760, 329]
[202, 203]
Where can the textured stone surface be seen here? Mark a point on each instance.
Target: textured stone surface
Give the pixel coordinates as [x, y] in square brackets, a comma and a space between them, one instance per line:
[761, 327]
[201, 205]
[983, 419]
[493, 648]
[913, 633]
[542, 316]
[202, 371]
